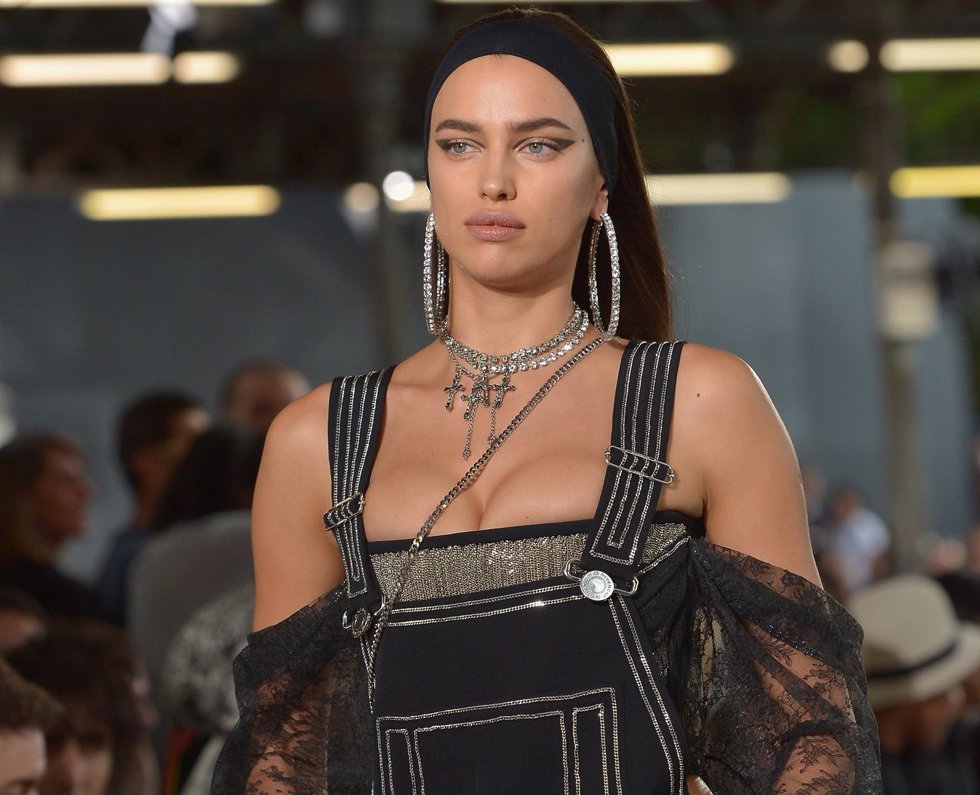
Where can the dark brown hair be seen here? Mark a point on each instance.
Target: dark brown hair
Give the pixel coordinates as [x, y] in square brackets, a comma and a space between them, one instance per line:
[645, 312]
[24, 705]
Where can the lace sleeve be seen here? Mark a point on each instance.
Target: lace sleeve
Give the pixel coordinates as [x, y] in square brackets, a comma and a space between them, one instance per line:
[766, 669]
[303, 725]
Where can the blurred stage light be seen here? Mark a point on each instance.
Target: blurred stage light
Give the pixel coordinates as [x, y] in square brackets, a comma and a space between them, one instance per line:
[645, 60]
[757, 188]
[143, 204]
[415, 201]
[398, 186]
[206, 67]
[926, 55]
[361, 197]
[848, 56]
[106, 69]
[139, 68]
[936, 182]
[29, 4]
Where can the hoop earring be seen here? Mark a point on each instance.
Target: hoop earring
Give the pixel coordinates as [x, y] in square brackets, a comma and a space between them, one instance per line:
[434, 290]
[604, 222]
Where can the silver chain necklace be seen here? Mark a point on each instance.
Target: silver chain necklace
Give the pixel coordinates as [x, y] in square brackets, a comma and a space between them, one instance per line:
[388, 603]
[485, 367]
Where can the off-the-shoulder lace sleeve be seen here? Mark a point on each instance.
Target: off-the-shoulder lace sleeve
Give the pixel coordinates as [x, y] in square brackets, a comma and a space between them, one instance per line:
[766, 669]
[303, 726]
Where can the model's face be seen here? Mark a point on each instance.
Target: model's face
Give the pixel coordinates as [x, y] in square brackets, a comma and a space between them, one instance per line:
[21, 761]
[513, 174]
[58, 501]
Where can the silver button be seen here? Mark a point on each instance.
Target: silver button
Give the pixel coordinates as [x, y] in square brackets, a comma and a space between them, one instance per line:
[596, 585]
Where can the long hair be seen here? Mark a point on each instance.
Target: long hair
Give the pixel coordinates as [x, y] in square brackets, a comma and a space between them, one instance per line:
[645, 312]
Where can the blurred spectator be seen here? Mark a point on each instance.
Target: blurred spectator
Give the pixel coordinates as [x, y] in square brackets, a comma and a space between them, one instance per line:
[101, 743]
[201, 546]
[973, 548]
[21, 619]
[44, 500]
[963, 589]
[198, 689]
[26, 713]
[154, 433]
[918, 657]
[855, 542]
[257, 390]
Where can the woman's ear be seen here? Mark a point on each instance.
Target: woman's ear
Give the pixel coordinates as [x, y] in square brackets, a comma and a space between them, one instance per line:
[601, 203]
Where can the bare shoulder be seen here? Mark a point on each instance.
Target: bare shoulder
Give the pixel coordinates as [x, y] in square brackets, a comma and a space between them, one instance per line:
[730, 433]
[296, 560]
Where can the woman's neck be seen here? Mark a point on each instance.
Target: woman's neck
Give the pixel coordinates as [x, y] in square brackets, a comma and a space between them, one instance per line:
[499, 323]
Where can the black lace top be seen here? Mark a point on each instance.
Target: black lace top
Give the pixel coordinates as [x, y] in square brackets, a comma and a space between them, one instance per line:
[763, 665]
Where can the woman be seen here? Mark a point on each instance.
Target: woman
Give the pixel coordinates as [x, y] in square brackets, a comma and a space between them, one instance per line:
[44, 500]
[749, 677]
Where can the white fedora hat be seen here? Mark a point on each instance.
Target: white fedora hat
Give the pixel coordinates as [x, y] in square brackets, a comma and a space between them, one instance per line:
[914, 646]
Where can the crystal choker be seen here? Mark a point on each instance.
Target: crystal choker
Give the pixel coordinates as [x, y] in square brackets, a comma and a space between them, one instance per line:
[485, 367]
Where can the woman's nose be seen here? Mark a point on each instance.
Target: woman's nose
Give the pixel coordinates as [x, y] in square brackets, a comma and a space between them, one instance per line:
[496, 178]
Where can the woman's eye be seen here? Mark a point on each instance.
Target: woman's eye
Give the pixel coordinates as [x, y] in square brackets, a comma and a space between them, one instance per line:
[458, 147]
[537, 148]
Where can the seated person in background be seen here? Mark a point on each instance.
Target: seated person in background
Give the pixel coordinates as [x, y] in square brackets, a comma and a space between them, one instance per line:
[153, 435]
[101, 743]
[44, 500]
[963, 748]
[917, 656]
[21, 619]
[26, 713]
[257, 390]
[201, 544]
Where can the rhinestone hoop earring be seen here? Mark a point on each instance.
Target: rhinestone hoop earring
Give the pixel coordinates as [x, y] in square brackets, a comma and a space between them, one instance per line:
[607, 224]
[434, 289]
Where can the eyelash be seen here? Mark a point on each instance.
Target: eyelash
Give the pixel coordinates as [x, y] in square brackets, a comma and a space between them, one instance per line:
[551, 147]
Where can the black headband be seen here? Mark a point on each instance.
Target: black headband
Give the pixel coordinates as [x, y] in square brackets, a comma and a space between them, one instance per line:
[551, 50]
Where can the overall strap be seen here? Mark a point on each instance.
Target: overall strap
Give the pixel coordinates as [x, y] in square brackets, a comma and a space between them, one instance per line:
[636, 469]
[356, 408]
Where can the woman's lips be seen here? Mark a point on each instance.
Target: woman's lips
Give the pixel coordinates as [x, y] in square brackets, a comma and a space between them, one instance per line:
[494, 227]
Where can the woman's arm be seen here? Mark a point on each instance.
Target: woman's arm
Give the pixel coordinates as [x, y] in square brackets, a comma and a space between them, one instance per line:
[296, 560]
[740, 451]
[797, 708]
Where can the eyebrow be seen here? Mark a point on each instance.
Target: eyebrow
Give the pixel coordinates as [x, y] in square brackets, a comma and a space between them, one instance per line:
[519, 127]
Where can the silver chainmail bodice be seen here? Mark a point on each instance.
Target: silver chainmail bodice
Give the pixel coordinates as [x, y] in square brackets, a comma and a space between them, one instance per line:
[441, 572]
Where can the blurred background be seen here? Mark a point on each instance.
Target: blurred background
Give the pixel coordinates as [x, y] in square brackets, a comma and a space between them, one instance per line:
[815, 165]
[187, 186]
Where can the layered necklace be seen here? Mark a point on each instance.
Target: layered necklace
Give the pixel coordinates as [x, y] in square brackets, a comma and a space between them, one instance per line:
[483, 369]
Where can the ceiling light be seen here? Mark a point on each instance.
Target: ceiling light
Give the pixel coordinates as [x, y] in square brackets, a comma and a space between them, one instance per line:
[141, 204]
[936, 182]
[914, 55]
[361, 197]
[84, 70]
[206, 67]
[757, 188]
[848, 56]
[415, 201]
[21, 4]
[398, 186]
[643, 60]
